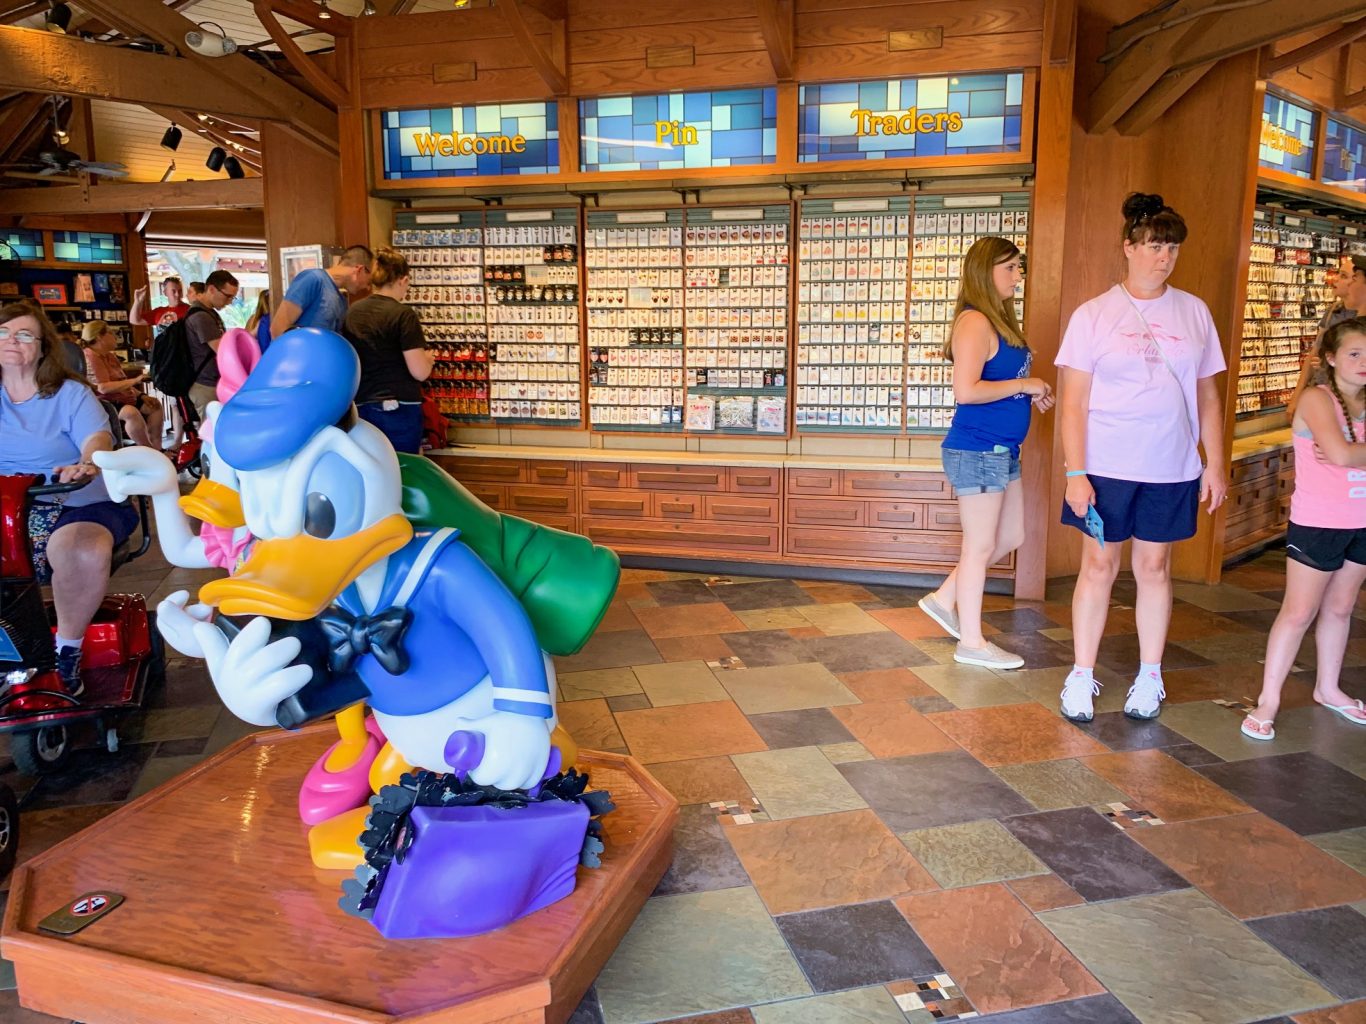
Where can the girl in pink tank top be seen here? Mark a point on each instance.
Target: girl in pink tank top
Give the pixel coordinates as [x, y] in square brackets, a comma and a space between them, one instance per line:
[1325, 544]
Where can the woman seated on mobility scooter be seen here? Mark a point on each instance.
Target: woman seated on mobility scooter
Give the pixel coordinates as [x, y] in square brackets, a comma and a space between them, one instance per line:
[51, 423]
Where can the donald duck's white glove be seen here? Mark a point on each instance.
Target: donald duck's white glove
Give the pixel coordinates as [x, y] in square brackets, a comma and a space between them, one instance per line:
[136, 470]
[176, 620]
[251, 674]
[516, 749]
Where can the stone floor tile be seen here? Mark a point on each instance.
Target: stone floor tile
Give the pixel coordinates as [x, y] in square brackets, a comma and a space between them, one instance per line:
[768, 594]
[1348, 846]
[1021, 619]
[708, 647]
[852, 946]
[1330, 944]
[932, 705]
[601, 682]
[971, 853]
[1092, 1010]
[1120, 655]
[703, 780]
[843, 753]
[1092, 856]
[617, 617]
[1177, 958]
[760, 619]
[1220, 597]
[1037, 650]
[698, 953]
[687, 731]
[871, 1005]
[1301, 791]
[1163, 785]
[1348, 1013]
[896, 596]
[703, 860]
[785, 688]
[840, 619]
[968, 686]
[796, 782]
[1192, 755]
[620, 649]
[995, 950]
[767, 648]
[826, 860]
[1044, 892]
[1119, 732]
[679, 682]
[932, 789]
[723, 1017]
[687, 620]
[628, 702]
[1045, 687]
[1253, 866]
[939, 649]
[671, 593]
[1015, 734]
[1216, 728]
[174, 723]
[592, 724]
[864, 652]
[836, 593]
[806, 728]
[1054, 785]
[893, 729]
[886, 684]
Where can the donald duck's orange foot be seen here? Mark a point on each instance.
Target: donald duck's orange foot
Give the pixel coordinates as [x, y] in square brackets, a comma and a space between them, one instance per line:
[332, 844]
[328, 789]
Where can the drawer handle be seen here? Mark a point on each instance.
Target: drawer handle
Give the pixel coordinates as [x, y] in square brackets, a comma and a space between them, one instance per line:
[754, 481]
[676, 506]
[677, 478]
[752, 511]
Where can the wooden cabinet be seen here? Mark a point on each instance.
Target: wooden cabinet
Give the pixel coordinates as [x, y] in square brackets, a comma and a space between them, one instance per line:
[1258, 503]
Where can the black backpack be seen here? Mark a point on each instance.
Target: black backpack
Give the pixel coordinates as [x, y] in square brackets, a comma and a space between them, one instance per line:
[171, 363]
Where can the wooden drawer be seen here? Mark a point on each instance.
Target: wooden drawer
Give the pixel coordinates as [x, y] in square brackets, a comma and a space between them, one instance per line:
[648, 477]
[743, 480]
[604, 474]
[523, 499]
[826, 512]
[943, 515]
[569, 524]
[912, 547]
[897, 515]
[1244, 470]
[813, 481]
[730, 539]
[685, 507]
[863, 483]
[1285, 485]
[739, 508]
[1251, 495]
[491, 495]
[617, 504]
[505, 471]
[553, 473]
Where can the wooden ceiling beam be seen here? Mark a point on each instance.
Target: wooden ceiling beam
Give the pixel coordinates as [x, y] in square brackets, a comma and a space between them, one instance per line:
[18, 115]
[20, 13]
[1238, 31]
[191, 124]
[1353, 100]
[315, 76]
[400, 7]
[307, 118]
[553, 71]
[210, 194]
[1060, 31]
[311, 15]
[1160, 98]
[29, 136]
[777, 26]
[1138, 69]
[1334, 40]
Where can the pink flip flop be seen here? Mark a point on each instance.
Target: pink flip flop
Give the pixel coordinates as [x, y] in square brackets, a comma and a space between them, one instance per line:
[1354, 712]
[326, 794]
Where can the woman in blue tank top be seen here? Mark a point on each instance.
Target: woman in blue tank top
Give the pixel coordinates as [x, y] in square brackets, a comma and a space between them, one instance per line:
[981, 452]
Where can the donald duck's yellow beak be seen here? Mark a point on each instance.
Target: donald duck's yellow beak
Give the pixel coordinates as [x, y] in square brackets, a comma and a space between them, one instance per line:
[214, 503]
[297, 577]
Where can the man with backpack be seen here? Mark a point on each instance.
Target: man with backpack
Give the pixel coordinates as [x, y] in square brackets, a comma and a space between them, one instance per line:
[183, 358]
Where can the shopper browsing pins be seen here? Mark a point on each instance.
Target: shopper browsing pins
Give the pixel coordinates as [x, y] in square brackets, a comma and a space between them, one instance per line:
[1138, 399]
[981, 452]
[1325, 544]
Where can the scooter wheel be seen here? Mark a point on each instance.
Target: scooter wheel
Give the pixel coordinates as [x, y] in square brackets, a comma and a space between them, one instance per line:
[41, 751]
[9, 829]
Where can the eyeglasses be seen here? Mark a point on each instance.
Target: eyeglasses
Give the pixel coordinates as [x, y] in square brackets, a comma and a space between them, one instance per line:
[22, 337]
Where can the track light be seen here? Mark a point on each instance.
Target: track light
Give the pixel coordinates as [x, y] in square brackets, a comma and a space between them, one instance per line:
[170, 139]
[323, 12]
[217, 156]
[234, 168]
[368, 9]
[58, 17]
[61, 136]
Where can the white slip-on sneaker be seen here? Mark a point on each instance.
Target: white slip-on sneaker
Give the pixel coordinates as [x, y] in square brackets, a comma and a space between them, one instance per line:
[1078, 697]
[989, 656]
[1145, 697]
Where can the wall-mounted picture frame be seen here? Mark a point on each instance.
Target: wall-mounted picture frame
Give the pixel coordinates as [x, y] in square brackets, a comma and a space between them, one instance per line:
[118, 288]
[101, 284]
[85, 288]
[50, 294]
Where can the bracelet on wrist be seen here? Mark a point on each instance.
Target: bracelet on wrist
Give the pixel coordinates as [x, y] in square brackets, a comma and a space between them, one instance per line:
[1076, 472]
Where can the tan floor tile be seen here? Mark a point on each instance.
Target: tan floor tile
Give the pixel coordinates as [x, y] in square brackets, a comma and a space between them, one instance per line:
[1055, 785]
[619, 616]
[1348, 846]
[971, 853]
[600, 682]
[680, 682]
[1164, 786]
[845, 753]
[687, 731]
[703, 780]
[797, 782]
[840, 619]
[591, 724]
[772, 618]
[805, 632]
[688, 620]
[886, 684]
[938, 648]
[968, 686]
[693, 648]
[1044, 892]
[893, 729]
[836, 593]
[636, 595]
[785, 688]
[826, 860]
[1016, 734]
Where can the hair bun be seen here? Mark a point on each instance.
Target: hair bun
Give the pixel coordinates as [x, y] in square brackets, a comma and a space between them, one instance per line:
[1140, 205]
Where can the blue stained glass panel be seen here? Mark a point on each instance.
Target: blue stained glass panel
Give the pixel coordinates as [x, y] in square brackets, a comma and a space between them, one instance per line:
[989, 106]
[27, 245]
[1287, 142]
[87, 247]
[410, 138]
[1344, 155]
[726, 128]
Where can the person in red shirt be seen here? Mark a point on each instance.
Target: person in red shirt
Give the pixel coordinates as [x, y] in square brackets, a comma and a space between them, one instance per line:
[140, 414]
[174, 309]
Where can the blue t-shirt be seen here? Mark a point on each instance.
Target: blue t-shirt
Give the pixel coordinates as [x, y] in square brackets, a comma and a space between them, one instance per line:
[1005, 422]
[263, 332]
[41, 434]
[319, 299]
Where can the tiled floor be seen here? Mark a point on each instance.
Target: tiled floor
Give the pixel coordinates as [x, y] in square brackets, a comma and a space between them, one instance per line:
[872, 833]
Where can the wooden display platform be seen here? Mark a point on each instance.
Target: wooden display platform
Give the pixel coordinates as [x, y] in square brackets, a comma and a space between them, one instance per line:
[226, 918]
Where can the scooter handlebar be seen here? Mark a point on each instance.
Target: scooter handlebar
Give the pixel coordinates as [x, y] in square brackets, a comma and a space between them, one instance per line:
[42, 490]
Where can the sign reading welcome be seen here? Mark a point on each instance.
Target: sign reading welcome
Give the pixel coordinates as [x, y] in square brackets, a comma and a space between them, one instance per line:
[725, 128]
[1287, 136]
[911, 117]
[495, 139]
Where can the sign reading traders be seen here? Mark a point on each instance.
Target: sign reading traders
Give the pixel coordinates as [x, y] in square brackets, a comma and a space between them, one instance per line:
[491, 140]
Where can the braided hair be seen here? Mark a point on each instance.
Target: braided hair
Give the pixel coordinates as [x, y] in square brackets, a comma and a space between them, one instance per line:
[1148, 218]
[1328, 345]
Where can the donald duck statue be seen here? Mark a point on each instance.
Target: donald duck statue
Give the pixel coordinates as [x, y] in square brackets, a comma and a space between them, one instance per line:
[342, 599]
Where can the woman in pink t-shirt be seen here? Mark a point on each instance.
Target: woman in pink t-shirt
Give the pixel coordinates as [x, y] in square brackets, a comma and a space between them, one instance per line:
[1325, 545]
[1138, 397]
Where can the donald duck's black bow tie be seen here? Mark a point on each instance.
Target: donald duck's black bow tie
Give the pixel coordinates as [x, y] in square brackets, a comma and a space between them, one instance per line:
[350, 636]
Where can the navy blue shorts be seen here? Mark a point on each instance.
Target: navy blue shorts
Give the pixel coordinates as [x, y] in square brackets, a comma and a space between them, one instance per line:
[45, 519]
[402, 426]
[1159, 513]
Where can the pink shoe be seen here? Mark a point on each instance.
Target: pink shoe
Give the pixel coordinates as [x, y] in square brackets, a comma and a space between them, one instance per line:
[326, 794]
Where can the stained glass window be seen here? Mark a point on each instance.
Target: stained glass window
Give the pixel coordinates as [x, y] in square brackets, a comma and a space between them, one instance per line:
[726, 128]
[87, 247]
[1344, 155]
[1287, 136]
[493, 139]
[26, 245]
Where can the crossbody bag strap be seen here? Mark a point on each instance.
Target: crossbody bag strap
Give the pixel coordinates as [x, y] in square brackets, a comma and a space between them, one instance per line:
[1180, 390]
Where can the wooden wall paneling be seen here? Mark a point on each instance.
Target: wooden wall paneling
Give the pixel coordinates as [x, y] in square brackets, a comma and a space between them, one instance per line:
[829, 24]
[353, 185]
[873, 60]
[135, 256]
[301, 186]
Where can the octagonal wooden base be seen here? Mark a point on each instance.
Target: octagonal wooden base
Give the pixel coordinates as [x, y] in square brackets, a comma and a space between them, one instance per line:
[226, 919]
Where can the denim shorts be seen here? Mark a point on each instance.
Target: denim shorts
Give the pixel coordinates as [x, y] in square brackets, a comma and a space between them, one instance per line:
[979, 472]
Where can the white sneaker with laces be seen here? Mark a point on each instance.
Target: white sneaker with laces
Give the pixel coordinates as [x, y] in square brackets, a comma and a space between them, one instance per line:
[1145, 697]
[1078, 693]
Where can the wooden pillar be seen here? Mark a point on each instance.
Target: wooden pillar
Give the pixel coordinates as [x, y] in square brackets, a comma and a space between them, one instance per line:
[301, 197]
[135, 255]
[353, 218]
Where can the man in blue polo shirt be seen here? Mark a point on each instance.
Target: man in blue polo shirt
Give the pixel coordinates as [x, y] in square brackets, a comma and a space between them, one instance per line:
[315, 298]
